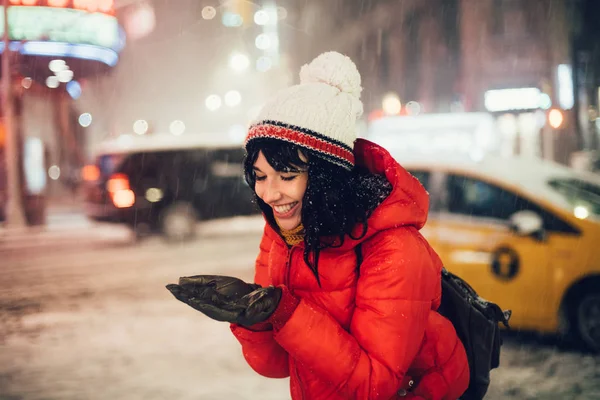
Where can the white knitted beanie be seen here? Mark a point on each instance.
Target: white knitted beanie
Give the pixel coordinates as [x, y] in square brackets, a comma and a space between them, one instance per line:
[318, 114]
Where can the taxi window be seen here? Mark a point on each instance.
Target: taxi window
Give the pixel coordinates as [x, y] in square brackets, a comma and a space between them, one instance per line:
[480, 199]
[476, 198]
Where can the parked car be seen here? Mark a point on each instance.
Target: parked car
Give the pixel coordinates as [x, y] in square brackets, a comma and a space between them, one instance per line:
[523, 233]
[166, 183]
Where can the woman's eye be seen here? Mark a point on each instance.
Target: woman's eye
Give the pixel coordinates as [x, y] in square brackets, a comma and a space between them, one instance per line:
[261, 178]
[289, 178]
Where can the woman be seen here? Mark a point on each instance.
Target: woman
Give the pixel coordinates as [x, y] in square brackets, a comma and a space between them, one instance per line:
[346, 288]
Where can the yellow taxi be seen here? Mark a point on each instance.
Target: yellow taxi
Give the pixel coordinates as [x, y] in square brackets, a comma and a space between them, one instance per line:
[524, 233]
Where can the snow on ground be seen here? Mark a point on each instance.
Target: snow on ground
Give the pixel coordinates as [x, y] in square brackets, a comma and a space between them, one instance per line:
[86, 316]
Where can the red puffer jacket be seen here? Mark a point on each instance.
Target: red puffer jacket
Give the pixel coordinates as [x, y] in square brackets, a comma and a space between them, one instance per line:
[363, 335]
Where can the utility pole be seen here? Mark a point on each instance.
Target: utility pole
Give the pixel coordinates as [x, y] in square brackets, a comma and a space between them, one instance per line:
[15, 216]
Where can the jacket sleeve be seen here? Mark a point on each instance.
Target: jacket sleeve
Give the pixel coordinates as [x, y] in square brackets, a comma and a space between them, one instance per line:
[259, 347]
[398, 280]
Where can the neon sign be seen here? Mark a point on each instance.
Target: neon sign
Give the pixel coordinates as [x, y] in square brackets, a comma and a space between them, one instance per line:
[103, 6]
[63, 25]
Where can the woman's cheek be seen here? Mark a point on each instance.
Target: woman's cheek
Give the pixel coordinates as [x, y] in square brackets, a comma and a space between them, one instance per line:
[258, 190]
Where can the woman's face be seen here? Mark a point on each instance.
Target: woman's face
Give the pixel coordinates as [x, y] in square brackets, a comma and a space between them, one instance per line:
[282, 191]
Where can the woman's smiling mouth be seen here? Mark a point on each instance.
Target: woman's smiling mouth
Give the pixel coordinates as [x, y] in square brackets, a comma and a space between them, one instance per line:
[284, 210]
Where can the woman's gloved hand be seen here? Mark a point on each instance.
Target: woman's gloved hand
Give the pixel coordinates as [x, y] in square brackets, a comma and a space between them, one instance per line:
[260, 304]
[224, 285]
[225, 298]
[206, 300]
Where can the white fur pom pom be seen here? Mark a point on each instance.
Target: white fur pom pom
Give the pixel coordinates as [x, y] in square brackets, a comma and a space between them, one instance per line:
[334, 69]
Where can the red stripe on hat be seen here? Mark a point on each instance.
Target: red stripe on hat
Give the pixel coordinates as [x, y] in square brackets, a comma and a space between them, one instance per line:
[301, 139]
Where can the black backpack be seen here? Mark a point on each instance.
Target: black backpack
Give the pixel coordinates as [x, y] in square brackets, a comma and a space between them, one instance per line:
[476, 323]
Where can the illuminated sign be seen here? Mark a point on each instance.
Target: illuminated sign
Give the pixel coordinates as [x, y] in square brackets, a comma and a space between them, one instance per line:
[104, 6]
[513, 99]
[53, 28]
[62, 25]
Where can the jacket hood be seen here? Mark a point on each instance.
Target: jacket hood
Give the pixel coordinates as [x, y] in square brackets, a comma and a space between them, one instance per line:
[406, 205]
[408, 202]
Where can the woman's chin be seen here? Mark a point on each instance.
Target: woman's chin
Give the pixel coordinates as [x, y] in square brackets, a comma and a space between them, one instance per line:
[288, 224]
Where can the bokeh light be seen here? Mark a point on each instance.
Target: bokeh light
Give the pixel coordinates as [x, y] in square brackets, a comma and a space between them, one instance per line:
[233, 98]
[26, 82]
[52, 82]
[413, 108]
[85, 119]
[264, 64]
[555, 118]
[177, 127]
[209, 12]
[57, 65]
[64, 76]
[391, 104]
[74, 89]
[261, 17]
[54, 172]
[213, 102]
[263, 41]
[239, 62]
[140, 127]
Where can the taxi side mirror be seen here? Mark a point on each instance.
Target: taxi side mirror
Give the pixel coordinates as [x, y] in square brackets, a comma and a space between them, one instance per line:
[527, 223]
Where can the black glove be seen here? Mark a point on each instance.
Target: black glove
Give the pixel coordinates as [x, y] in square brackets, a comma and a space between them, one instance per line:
[260, 304]
[227, 299]
[228, 286]
[206, 300]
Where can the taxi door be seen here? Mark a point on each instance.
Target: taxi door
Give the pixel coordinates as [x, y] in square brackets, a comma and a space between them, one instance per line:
[475, 242]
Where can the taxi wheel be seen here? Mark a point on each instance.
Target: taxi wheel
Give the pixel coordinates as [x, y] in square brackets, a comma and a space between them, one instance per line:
[588, 319]
[178, 222]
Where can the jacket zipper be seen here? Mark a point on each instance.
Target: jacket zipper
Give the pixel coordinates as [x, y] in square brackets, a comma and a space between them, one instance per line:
[288, 267]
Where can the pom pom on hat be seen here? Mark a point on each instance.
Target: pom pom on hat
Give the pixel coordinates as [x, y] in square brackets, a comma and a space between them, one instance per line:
[333, 69]
[318, 114]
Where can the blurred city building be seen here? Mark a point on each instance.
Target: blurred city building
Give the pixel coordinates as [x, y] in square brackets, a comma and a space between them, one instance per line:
[512, 58]
[206, 67]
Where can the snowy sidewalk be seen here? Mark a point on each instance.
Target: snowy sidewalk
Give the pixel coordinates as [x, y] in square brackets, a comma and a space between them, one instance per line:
[70, 227]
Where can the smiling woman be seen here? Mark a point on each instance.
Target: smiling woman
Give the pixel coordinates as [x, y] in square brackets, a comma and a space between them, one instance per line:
[346, 289]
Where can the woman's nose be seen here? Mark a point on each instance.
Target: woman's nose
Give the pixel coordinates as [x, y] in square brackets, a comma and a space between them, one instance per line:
[271, 193]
